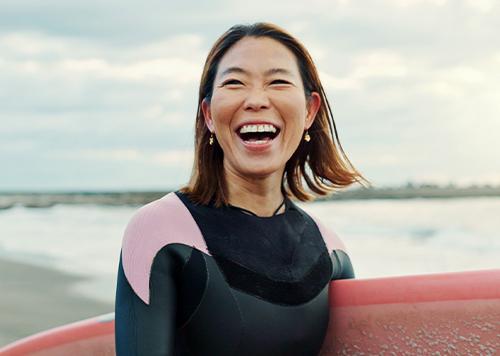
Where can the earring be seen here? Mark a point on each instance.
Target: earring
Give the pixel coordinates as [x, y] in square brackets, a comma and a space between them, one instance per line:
[211, 139]
[307, 138]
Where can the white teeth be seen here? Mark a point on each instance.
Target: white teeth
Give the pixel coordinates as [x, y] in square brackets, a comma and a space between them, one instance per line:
[257, 128]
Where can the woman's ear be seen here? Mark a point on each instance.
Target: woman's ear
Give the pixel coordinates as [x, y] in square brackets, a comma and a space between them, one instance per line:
[207, 115]
[313, 105]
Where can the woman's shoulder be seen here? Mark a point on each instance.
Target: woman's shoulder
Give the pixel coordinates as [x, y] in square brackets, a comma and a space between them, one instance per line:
[152, 227]
[151, 216]
[330, 237]
[160, 222]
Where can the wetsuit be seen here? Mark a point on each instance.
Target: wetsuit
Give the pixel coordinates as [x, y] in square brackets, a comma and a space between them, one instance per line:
[199, 280]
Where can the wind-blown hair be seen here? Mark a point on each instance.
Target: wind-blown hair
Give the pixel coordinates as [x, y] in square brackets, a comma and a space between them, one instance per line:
[321, 163]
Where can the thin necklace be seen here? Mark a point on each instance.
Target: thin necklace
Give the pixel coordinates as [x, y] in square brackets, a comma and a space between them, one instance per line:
[252, 213]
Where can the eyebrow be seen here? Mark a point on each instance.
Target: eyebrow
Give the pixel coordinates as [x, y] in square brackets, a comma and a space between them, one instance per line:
[268, 72]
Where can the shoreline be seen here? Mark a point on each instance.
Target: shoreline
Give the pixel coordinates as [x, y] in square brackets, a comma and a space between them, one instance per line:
[35, 299]
[12, 199]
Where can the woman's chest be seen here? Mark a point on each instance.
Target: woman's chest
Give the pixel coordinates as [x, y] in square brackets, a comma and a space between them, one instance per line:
[227, 320]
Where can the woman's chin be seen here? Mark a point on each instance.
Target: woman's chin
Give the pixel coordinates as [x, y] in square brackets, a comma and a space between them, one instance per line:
[260, 169]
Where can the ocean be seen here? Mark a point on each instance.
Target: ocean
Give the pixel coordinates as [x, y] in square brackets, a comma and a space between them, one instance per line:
[382, 237]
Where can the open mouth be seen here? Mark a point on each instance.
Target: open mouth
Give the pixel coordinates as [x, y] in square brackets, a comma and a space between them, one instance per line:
[258, 134]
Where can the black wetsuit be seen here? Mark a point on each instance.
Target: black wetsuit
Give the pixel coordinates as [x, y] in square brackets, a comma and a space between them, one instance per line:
[262, 288]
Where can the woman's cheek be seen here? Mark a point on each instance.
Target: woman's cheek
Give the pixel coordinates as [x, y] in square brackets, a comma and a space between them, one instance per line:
[293, 105]
[225, 107]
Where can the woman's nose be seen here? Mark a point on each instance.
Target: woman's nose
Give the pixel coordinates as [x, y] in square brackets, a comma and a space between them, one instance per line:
[256, 100]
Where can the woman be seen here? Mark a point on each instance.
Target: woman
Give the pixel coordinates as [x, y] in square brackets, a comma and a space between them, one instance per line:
[229, 265]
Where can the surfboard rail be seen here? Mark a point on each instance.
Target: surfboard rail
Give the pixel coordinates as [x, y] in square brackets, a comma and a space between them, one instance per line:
[93, 336]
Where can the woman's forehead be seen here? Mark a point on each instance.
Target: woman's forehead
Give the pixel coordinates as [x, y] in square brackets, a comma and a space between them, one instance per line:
[262, 55]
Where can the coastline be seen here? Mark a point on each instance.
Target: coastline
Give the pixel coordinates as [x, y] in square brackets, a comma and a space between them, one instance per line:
[35, 299]
[48, 199]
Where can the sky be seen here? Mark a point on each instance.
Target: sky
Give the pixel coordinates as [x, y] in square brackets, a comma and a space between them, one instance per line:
[101, 95]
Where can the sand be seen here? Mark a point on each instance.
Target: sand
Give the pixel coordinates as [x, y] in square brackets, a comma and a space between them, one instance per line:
[34, 299]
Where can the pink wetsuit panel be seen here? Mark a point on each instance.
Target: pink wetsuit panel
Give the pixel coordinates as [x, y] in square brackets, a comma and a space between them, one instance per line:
[332, 241]
[155, 225]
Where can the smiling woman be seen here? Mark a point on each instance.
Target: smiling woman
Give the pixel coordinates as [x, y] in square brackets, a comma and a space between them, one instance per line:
[259, 86]
[229, 264]
[261, 74]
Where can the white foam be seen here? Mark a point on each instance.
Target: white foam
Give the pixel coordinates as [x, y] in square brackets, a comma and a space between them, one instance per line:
[383, 237]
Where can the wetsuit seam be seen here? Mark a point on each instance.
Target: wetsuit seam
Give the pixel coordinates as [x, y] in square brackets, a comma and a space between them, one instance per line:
[187, 261]
[134, 323]
[235, 301]
[307, 273]
[242, 329]
[195, 309]
[339, 264]
[312, 222]
[292, 258]
[282, 304]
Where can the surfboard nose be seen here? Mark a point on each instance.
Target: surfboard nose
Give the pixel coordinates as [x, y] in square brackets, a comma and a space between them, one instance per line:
[94, 336]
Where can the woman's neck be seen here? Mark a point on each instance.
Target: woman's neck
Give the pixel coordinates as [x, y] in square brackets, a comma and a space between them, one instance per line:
[261, 196]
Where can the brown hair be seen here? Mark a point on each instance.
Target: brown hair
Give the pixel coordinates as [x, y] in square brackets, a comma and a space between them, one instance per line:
[328, 166]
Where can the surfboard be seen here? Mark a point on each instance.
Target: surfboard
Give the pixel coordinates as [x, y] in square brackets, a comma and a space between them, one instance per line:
[438, 314]
[94, 336]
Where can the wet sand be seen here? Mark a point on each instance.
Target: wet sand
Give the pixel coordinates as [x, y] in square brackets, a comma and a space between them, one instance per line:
[34, 299]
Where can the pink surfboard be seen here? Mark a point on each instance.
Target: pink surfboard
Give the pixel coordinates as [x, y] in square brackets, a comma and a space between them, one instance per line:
[436, 314]
[89, 337]
[449, 313]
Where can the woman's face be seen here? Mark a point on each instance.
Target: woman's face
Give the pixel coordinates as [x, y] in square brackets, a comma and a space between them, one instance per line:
[258, 110]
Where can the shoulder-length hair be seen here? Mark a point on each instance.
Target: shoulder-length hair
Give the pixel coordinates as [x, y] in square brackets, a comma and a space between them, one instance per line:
[321, 163]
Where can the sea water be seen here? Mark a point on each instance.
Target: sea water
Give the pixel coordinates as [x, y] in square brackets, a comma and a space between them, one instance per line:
[382, 237]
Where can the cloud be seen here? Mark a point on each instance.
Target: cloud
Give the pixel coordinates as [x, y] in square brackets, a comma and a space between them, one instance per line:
[103, 154]
[174, 157]
[175, 70]
[375, 64]
[483, 6]
[72, 87]
[85, 84]
[380, 63]
[28, 54]
[409, 3]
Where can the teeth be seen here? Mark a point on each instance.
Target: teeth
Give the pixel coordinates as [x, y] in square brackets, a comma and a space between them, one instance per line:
[257, 128]
[260, 142]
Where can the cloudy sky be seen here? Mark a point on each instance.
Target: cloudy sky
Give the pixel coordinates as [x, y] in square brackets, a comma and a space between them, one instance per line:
[102, 94]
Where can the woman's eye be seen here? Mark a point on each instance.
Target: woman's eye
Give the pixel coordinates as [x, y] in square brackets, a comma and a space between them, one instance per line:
[279, 81]
[232, 82]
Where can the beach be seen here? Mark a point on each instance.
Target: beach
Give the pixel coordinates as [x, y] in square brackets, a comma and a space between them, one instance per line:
[58, 264]
[35, 298]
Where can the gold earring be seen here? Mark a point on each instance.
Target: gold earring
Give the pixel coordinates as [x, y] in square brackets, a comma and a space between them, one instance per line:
[307, 138]
[211, 139]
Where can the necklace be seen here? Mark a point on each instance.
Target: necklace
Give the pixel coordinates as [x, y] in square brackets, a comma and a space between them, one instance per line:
[252, 213]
